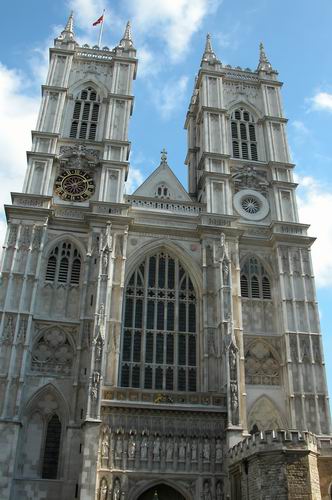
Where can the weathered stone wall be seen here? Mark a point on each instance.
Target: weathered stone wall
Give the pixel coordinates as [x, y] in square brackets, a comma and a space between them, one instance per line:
[275, 465]
[325, 468]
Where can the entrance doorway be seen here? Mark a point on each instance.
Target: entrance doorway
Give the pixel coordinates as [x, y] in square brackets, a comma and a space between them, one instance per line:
[161, 492]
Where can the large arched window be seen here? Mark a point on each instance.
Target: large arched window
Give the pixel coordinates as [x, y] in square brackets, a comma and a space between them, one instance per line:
[255, 282]
[64, 264]
[159, 335]
[244, 142]
[85, 115]
[52, 448]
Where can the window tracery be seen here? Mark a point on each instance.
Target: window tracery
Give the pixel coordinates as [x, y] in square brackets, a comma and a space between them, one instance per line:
[64, 264]
[159, 336]
[254, 280]
[261, 365]
[52, 353]
[162, 191]
[243, 131]
[85, 115]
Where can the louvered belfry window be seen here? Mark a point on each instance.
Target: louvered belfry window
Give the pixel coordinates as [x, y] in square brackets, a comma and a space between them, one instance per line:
[64, 264]
[159, 342]
[85, 116]
[243, 131]
[254, 280]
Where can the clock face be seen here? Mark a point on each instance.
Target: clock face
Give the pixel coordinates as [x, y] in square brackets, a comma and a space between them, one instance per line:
[74, 185]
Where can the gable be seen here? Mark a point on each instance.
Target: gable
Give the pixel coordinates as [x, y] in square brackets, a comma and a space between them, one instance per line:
[164, 184]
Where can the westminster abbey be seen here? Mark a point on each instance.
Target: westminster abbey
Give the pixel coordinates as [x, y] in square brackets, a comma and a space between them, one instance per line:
[164, 344]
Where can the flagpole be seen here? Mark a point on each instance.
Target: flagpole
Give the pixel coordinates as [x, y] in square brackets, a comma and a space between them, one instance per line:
[101, 30]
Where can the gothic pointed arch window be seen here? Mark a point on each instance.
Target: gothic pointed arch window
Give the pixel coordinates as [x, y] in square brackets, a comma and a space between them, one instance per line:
[64, 264]
[243, 132]
[254, 280]
[85, 115]
[159, 341]
[52, 448]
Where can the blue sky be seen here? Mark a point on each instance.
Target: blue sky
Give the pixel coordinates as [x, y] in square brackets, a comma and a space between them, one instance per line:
[170, 36]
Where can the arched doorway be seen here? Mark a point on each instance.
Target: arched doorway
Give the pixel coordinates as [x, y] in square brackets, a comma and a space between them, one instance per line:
[161, 492]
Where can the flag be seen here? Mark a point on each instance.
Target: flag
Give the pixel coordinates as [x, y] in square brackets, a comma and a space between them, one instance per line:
[99, 20]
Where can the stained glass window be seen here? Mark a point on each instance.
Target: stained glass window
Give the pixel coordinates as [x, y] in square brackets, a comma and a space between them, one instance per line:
[159, 348]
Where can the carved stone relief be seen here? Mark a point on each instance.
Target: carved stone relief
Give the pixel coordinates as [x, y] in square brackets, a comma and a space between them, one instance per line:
[261, 365]
[146, 449]
[249, 177]
[265, 416]
[78, 157]
[9, 329]
[53, 353]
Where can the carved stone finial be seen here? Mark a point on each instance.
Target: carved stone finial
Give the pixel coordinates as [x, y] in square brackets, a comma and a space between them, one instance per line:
[70, 24]
[127, 39]
[68, 35]
[209, 56]
[264, 64]
[163, 156]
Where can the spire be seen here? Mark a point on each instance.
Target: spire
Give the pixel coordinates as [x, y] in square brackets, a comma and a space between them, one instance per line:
[209, 56]
[127, 39]
[70, 24]
[264, 64]
[67, 35]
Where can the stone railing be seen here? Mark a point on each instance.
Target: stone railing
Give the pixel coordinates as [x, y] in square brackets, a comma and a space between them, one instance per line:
[170, 399]
[186, 208]
[95, 52]
[272, 440]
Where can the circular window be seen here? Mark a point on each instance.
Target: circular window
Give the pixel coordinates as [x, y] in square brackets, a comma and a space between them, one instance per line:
[251, 204]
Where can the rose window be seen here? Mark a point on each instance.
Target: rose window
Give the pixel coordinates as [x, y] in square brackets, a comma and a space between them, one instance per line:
[251, 204]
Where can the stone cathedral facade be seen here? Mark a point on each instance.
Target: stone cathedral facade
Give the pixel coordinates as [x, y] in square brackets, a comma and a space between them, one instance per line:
[163, 344]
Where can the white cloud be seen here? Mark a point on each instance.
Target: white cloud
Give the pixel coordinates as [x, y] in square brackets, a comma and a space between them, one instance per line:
[315, 202]
[322, 101]
[173, 21]
[135, 179]
[300, 127]
[18, 113]
[170, 96]
[86, 11]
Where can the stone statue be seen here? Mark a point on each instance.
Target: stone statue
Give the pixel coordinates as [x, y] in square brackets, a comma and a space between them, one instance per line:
[206, 450]
[95, 384]
[156, 449]
[103, 489]
[144, 448]
[225, 271]
[169, 450]
[105, 261]
[219, 490]
[207, 491]
[182, 450]
[117, 489]
[232, 362]
[131, 447]
[222, 247]
[234, 396]
[105, 445]
[218, 451]
[119, 447]
[194, 451]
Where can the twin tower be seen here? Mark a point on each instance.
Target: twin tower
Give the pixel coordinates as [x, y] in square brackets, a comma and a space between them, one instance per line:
[163, 344]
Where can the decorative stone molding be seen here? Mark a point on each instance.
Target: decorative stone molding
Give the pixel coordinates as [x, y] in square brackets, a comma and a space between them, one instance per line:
[53, 353]
[261, 365]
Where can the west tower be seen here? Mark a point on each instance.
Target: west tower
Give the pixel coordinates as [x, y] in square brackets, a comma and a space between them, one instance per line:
[62, 260]
[144, 336]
